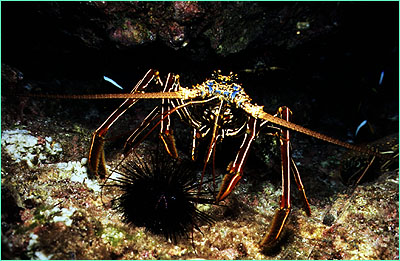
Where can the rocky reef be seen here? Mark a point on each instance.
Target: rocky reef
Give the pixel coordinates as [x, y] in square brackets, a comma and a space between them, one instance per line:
[334, 64]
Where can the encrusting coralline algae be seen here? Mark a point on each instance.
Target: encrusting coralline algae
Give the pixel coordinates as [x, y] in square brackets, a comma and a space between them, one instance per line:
[22, 146]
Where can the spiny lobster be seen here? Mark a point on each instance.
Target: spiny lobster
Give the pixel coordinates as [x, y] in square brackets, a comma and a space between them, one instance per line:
[226, 110]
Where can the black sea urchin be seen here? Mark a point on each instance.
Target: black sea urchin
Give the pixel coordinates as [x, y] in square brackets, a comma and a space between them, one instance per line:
[160, 193]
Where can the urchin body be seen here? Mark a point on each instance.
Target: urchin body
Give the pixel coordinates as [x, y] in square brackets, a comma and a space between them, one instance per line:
[161, 195]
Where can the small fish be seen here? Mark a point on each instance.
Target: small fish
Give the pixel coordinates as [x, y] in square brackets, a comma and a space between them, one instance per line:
[113, 82]
[360, 126]
[381, 78]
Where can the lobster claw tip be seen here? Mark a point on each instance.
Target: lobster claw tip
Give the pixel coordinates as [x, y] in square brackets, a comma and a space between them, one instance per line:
[228, 184]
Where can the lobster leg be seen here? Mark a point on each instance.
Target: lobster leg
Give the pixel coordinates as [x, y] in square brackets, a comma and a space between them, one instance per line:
[235, 169]
[194, 144]
[300, 187]
[96, 159]
[211, 149]
[285, 205]
[163, 114]
[133, 139]
[166, 133]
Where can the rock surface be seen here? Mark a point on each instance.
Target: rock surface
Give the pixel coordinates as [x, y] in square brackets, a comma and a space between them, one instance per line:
[333, 64]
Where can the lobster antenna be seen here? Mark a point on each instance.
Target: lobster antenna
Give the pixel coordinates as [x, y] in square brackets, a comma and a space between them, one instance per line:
[182, 94]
